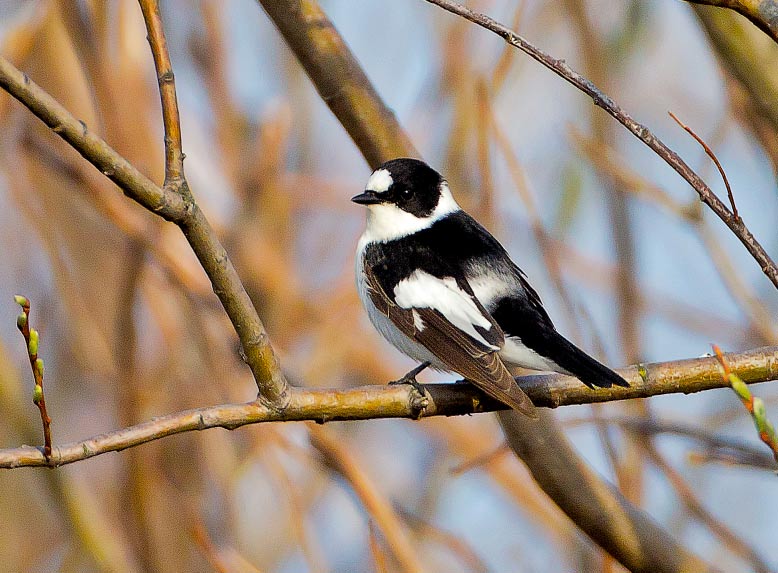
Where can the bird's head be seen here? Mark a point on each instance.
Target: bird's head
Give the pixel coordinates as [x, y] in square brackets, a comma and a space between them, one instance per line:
[404, 196]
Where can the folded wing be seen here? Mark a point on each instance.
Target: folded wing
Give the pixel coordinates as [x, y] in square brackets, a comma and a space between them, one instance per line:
[444, 316]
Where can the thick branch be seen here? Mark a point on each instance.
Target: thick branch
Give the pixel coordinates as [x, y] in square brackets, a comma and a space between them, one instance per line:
[602, 100]
[179, 208]
[371, 402]
[762, 13]
[595, 506]
[340, 80]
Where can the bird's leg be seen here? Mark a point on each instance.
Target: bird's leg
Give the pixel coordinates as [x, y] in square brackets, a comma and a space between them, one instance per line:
[410, 377]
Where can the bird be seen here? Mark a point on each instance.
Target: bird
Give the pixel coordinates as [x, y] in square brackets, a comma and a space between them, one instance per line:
[443, 291]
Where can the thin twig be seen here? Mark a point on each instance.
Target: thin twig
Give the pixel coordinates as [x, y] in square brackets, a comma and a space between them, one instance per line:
[604, 158]
[602, 100]
[174, 156]
[713, 157]
[31, 338]
[176, 207]
[372, 402]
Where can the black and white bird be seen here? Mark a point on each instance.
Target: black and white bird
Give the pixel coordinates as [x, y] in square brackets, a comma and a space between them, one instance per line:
[443, 291]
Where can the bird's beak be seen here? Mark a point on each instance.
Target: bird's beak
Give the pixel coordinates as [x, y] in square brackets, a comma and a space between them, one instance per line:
[367, 198]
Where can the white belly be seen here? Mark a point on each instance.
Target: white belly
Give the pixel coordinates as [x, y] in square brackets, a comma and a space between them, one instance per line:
[515, 353]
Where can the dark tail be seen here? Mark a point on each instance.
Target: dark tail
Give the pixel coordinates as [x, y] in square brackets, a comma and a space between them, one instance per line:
[582, 366]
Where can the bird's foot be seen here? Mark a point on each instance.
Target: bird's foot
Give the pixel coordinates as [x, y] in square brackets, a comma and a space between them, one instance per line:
[410, 378]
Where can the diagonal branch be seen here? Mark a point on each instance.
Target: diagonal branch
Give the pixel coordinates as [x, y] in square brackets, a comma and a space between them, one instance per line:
[339, 79]
[402, 401]
[178, 208]
[762, 13]
[640, 131]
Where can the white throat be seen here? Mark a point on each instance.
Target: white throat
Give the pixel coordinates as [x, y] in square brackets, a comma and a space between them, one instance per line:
[386, 222]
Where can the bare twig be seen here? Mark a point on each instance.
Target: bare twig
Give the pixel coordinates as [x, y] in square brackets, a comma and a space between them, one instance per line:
[174, 156]
[762, 13]
[602, 100]
[604, 158]
[713, 157]
[175, 207]
[379, 557]
[372, 402]
[31, 338]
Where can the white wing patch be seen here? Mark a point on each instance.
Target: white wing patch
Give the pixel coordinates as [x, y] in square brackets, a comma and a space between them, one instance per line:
[418, 323]
[422, 290]
[379, 181]
[488, 288]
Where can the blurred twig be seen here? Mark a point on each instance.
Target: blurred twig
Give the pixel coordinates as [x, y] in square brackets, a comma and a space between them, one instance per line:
[337, 456]
[371, 402]
[376, 551]
[339, 79]
[602, 100]
[718, 447]
[687, 496]
[762, 13]
[32, 338]
[178, 208]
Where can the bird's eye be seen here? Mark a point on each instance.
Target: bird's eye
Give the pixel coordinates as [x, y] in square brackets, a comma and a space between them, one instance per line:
[406, 193]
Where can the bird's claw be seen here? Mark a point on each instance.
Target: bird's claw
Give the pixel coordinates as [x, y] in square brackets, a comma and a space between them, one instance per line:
[410, 378]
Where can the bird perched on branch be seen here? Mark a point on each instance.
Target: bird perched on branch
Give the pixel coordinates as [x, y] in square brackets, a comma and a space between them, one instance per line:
[444, 292]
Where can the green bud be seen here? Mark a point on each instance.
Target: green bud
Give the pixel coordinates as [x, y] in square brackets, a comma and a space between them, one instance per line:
[740, 387]
[21, 321]
[642, 372]
[32, 346]
[21, 300]
[39, 366]
[770, 431]
[759, 414]
[37, 394]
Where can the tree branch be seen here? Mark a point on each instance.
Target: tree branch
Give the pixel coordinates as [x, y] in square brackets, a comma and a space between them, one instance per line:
[594, 505]
[340, 80]
[602, 100]
[179, 208]
[762, 13]
[402, 401]
[174, 155]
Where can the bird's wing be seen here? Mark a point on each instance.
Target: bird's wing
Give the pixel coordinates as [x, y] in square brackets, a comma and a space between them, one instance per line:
[446, 318]
[525, 318]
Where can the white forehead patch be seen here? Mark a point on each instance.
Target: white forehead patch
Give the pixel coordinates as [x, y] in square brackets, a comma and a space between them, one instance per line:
[379, 181]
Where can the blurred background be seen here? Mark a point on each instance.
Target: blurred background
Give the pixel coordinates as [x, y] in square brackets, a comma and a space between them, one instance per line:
[628, 263]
